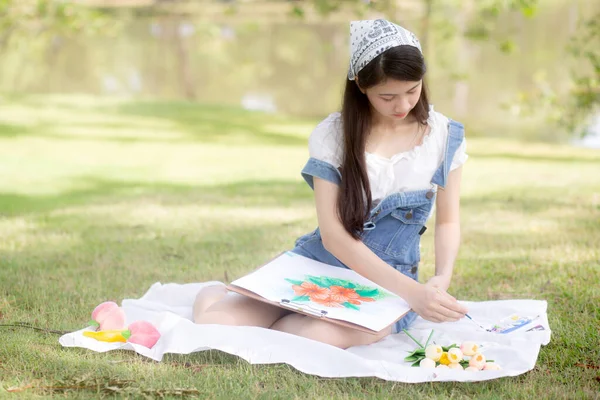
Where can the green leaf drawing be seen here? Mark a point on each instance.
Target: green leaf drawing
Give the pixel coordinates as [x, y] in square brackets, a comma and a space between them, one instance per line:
[327, 282]
[300, 298]
[294, 282]
[352, 306]
[378, 294]
[318, 280]
[368, 293]
[341, 282]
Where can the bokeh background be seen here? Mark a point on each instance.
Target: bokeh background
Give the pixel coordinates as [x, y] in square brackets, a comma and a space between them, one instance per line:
[147, 141]
[519, 68]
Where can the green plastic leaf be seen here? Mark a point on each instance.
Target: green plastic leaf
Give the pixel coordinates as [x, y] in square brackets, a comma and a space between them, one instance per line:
[126, 334]
[93, 323]
[411, 336]
[446, 348]
[428, 339]
[416, 363]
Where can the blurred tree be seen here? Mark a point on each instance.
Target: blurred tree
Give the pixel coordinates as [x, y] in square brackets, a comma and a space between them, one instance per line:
[451, 24]
[35, 29]
[570, 107]
[584, 97]
[50, 17]
[455, 20]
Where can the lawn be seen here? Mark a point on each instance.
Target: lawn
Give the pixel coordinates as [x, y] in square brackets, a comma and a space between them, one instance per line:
[101, 198]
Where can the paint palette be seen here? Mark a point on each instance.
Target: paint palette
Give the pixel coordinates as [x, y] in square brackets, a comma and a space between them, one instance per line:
[512, 323]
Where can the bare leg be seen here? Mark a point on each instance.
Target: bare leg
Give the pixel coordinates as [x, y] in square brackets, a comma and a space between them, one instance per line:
[326, 332]
[216, 305]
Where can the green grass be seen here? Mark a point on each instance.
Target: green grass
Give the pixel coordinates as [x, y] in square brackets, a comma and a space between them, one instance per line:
[101, 198]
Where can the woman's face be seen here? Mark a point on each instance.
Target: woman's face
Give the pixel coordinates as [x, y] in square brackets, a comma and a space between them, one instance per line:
[394, 99]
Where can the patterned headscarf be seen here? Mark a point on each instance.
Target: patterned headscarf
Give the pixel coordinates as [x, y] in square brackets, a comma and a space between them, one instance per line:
[369, 38]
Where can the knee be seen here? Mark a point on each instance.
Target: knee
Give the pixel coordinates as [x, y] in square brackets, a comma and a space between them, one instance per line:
[338, 336]
[208, 296]
[215, 317]
[325, 332]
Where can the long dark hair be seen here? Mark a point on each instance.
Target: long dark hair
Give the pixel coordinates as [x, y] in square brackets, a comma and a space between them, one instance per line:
[403, 63]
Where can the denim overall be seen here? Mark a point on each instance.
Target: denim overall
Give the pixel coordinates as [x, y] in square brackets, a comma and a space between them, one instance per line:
[395, 225]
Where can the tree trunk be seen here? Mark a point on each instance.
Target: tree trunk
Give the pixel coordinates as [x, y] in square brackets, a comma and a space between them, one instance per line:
[461, 87]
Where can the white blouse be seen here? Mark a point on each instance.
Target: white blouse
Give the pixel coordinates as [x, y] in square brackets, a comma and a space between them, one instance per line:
[406, 171]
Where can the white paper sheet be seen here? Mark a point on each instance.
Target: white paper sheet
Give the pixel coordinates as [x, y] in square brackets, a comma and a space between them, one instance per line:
[282, 279]
[169, 307]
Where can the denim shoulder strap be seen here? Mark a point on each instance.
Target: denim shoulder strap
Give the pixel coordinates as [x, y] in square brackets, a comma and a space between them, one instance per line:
[320, 169]
[456, 134]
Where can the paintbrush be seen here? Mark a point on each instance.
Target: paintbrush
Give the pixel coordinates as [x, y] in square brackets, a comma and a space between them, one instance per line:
[476, 323]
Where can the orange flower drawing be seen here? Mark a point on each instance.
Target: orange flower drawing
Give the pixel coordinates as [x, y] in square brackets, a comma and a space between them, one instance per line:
[315, 292]
[328, 301]
[363, 299]
[333, 292]
[342, 295]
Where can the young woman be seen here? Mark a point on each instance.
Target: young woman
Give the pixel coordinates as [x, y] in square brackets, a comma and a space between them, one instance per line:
[377, 170]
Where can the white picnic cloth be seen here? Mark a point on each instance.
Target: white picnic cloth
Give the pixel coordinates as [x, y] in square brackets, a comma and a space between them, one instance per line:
[169, 308]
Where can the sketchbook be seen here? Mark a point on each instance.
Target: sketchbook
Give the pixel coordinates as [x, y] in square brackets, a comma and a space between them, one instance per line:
[319, 290]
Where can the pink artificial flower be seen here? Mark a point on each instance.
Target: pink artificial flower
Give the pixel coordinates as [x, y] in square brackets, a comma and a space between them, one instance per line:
[477, 360]
[469, 348]
[108, 316]
[491, 366]
[144, 333]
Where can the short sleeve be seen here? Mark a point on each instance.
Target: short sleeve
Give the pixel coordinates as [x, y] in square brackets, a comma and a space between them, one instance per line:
[461, 156]
[325, 150]
[325, 142]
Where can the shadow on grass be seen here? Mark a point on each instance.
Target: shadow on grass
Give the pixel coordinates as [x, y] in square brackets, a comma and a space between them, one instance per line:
[209, 123]
[96, 191]
[197, 122]
[583, 158]
[11, 131]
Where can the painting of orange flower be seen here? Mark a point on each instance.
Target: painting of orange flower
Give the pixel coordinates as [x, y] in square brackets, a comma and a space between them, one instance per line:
[334, 292]
[311, 290]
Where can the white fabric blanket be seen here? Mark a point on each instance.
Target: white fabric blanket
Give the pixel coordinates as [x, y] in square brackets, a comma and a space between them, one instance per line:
[169, 308]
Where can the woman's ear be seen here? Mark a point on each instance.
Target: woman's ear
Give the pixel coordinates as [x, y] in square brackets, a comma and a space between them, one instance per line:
[359, 88]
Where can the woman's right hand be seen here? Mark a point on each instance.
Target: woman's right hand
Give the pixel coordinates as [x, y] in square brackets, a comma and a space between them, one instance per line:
[435, 305]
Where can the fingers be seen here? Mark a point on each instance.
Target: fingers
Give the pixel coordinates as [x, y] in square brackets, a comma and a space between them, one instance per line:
[444, 308]
[451, 303]
[439, 306]
[439, 317]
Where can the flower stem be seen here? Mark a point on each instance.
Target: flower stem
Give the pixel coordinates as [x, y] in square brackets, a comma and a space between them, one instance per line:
[430, 335]
[415, 340]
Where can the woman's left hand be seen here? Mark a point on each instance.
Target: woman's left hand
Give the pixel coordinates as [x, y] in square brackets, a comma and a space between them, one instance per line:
[439, 281]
